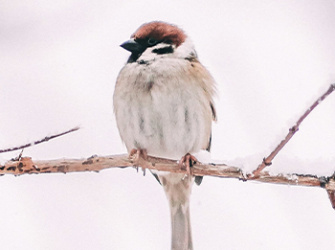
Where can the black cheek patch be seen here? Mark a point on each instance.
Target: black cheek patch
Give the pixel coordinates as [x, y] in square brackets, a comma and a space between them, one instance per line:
[165, 50]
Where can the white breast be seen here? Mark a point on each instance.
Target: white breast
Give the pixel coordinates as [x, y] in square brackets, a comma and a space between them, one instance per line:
[161, 108]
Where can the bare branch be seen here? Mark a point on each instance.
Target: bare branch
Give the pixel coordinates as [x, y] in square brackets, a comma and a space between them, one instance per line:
[45, 139]
[94, 163]
[268, 160]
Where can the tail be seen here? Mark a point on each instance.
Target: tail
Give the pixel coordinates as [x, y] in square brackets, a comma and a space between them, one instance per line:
[178, 190]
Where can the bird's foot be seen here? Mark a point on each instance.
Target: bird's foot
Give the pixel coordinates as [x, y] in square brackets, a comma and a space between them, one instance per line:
[136, 155]
[187, 161]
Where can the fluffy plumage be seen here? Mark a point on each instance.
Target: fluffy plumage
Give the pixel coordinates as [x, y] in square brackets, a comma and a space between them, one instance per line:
[163, 103]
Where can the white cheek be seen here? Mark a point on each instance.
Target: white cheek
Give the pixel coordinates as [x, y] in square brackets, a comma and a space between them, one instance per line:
[186, 49]
[148, 55]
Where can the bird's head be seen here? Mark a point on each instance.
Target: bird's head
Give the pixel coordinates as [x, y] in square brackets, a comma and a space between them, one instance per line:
[157, 38]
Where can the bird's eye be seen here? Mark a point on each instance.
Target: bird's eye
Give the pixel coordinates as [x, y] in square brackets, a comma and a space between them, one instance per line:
[152, 41]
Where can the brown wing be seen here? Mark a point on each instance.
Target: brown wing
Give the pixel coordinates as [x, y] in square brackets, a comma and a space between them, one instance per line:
[208, 86]
[207, 83]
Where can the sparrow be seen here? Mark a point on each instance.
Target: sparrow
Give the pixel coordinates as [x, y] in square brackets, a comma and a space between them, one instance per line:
[163, 105]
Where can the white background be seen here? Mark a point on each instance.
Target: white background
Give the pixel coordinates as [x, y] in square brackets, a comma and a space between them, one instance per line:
[271, 60]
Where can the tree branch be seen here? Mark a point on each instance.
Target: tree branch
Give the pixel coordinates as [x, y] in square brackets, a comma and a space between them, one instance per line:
[268, 160]
[45, 139]
[26, 166]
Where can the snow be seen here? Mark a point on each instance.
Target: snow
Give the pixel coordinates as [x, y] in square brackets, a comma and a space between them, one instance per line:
[271, 60]
[203, 156]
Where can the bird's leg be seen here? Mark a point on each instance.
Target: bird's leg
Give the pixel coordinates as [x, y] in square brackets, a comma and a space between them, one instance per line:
[188, 160]
[136, 155]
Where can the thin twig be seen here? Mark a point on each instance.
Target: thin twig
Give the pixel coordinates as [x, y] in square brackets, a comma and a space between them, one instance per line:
[45, 139]
[268, 160]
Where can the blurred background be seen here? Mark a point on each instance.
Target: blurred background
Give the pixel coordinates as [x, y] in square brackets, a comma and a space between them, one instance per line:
[271, 59]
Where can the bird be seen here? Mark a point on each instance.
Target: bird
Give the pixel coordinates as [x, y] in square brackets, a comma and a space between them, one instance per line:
[163, 106]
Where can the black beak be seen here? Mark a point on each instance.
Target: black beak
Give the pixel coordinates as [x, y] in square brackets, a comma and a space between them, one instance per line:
[132, 46]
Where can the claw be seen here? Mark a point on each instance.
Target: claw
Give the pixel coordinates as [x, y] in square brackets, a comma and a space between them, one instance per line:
[136, 154]
[188, 160]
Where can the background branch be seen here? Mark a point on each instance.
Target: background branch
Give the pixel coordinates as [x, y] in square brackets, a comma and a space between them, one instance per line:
[45, 139]
[268, 160]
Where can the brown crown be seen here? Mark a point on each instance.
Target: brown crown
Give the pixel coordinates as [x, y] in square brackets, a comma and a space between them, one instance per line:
[160, 31]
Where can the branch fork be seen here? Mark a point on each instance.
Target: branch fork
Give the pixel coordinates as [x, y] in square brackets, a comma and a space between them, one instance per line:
[25, 165]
